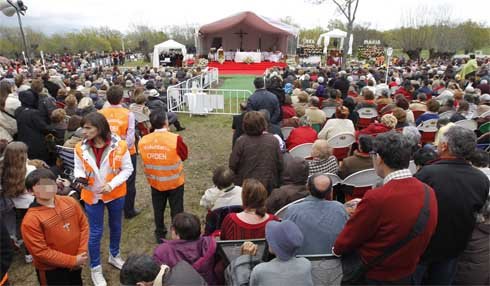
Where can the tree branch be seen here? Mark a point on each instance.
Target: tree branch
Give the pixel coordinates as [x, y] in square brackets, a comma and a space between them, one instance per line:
[355, 11]
[342, 9]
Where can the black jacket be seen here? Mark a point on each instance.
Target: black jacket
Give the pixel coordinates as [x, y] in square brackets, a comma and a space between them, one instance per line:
[342, 84]
[263, 99]
[156, 104]
[461, 192]
[32, 126]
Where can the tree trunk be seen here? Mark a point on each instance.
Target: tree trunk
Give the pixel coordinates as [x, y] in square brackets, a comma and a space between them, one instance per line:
[345, 47]
[413, 54]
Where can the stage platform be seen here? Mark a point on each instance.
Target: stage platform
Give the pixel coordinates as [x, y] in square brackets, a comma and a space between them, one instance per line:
[230, 67]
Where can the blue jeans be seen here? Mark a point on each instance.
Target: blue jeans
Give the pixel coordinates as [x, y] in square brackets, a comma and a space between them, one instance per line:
[95, 214]
[436, 273]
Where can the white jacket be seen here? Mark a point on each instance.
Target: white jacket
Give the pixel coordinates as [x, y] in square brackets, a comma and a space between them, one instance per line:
[105, 167]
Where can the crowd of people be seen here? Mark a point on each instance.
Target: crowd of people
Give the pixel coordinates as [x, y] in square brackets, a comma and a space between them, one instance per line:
[426, 228]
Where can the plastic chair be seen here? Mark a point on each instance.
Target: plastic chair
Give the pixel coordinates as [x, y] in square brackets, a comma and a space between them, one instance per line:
[282, 211]
[468, 124]
[412, 167]
[362, 181]
[428, 130]
[485, 114]
[447, 114]
[334, 178]
[484, 128]
[329, 111]
[286, 131]
[366, 116]
[341, 144]
[302, 150]
[215, 218]
[417, 113]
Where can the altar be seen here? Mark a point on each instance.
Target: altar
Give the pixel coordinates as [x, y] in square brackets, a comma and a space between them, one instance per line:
[240, 57]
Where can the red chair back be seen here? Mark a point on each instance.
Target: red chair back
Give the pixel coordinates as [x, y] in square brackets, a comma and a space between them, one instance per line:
[428, 137]
[356, 193]
[341, 153]
[417, 113]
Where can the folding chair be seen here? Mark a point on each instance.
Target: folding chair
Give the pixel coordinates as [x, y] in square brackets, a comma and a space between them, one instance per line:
[334, 178]
[286, 131]
[67, 157]
[468, 124]
[485, 114]
[302, 150]
[282, 211]
[428, 130]
[362, 181]
[341, 144]
[366, 116]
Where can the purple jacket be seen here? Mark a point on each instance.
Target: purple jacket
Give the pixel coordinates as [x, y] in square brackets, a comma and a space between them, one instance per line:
[199, 253]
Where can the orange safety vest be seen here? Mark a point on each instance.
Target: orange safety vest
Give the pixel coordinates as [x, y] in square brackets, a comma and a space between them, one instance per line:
[115, 162]
[162, 165]
[118, 118]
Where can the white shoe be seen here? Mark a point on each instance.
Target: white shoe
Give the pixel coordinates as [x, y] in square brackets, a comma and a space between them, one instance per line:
[97, 276]
[116, 261]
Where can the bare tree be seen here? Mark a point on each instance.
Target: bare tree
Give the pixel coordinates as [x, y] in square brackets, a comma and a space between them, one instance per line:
[348, 8]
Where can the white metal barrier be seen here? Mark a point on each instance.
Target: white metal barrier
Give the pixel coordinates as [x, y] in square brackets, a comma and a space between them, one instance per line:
[206, 101]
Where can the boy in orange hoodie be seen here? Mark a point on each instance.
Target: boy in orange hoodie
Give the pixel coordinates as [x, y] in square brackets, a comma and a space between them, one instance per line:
[55, 231]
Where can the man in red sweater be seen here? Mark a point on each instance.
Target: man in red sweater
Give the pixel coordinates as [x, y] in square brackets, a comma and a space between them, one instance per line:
[387, 215]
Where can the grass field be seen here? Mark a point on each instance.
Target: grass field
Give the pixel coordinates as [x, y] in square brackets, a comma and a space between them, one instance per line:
[209, 142]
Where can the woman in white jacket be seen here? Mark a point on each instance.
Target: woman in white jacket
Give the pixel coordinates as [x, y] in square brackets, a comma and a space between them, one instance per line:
[103, 160]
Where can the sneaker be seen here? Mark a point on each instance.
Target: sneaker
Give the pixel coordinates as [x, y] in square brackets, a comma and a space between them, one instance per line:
[97, 276]
[28, 259]
[116, 261]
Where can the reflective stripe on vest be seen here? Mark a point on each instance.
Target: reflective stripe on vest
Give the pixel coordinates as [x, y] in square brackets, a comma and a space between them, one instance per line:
[118, 119]
[88, 195]
[163, 168]
[162, 165]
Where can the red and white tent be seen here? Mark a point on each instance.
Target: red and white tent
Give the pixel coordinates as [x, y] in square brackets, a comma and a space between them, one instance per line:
[249, 32]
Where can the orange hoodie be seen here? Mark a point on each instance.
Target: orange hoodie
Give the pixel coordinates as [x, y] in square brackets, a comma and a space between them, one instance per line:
[55, 236]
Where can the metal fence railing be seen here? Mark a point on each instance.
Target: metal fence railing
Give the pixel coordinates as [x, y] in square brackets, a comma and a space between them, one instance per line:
[206, 101]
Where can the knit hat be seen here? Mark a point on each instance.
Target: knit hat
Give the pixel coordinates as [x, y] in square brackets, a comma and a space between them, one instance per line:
[284, 238]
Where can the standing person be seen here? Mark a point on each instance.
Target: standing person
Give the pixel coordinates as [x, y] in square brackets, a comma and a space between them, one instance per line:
[104, 161]
[122, 123]
[386, 215]
[461, 192]
[263, 99]
[31, 125]
[55, 231]
[256, 153]
[162, 153]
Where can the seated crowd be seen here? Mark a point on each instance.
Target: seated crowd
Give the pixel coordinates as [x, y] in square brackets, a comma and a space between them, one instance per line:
[422, 226]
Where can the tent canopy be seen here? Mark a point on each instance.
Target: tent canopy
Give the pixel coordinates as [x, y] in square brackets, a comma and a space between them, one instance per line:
[248, 31]
[165, 47]
[336, 34]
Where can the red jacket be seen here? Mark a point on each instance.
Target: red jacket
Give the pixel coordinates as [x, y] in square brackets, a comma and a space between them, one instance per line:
[373, 129]
[301, 135]
[288, 111]
[408, 95]
[385, 216]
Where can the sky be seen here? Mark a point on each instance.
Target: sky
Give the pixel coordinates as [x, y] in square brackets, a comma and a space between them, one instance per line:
[52, 16]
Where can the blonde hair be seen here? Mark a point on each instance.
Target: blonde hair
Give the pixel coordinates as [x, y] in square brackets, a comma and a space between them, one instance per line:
[389, 120]
[14, 169]
[321, 149]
